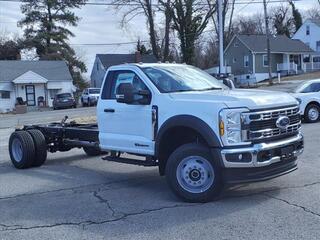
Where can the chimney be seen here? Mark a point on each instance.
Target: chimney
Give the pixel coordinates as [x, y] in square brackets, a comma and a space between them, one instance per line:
[138, 58]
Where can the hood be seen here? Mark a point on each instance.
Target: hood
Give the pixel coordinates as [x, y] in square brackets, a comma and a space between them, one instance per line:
[252, 99]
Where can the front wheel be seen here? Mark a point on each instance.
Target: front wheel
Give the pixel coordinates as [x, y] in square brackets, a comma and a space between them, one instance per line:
[193, 174]
[312, 113]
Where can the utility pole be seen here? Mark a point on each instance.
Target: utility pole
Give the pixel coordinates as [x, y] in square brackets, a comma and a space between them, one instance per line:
[268, 41]
[220, 20]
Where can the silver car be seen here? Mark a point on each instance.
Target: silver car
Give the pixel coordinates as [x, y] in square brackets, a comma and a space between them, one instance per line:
[90, 97]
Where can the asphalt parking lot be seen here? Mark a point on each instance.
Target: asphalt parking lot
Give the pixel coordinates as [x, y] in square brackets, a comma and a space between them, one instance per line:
[76, 197]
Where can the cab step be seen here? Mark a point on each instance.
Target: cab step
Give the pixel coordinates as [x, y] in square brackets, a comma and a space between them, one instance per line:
[145, 163]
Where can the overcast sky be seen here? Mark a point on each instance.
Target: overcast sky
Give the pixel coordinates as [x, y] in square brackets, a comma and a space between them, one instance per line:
[100, 24]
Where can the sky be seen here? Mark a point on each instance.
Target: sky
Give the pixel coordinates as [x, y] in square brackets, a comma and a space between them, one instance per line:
[101, 25]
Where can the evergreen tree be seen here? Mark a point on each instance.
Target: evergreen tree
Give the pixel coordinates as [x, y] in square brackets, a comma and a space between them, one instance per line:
[190, 18]
[297, 18]
[45, 28]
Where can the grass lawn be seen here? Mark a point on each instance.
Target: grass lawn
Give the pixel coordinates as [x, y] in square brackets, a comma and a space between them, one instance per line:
[306, 76]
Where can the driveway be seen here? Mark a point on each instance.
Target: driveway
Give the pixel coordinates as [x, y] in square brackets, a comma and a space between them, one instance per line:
[76, 197]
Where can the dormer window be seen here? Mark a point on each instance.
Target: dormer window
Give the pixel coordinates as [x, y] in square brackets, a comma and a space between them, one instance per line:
[308, 30]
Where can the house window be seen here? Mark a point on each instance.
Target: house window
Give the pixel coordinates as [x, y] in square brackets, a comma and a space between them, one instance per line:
[318, 46]
[4, 94]
[97, 66]
[246, 61]
[265, 61]
[234, 60]
[308, 30]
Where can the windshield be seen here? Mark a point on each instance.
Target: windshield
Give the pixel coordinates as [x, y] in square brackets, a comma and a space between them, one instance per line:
[94, 90]
[308, 87]
[177, 78]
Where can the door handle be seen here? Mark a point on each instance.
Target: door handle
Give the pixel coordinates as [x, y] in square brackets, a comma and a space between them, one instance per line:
[109, 110]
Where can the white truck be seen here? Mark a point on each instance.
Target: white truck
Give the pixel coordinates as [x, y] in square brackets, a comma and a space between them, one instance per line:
[200, 134]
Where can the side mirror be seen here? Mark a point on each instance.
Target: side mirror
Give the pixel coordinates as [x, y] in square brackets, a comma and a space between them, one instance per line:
[125, 93]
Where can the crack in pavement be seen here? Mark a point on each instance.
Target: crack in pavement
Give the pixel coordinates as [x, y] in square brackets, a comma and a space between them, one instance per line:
[71, 188]
[90, 222]
[305, 209]
[122, 216]
[103, 200]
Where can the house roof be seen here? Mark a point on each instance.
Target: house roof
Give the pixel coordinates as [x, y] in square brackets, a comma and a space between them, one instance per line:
[279, 44]
[50, 70]
[109, 60]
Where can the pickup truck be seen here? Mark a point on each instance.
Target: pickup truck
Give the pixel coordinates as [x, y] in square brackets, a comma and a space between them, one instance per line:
[200, 134]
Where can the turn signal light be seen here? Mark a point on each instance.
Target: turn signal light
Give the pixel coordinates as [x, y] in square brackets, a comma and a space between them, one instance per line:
[221, 128]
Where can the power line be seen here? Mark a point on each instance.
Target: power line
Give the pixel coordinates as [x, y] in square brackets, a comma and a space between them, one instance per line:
[137, 4]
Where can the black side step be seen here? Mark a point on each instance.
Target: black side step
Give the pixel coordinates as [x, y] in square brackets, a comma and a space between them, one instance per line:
[146, 163]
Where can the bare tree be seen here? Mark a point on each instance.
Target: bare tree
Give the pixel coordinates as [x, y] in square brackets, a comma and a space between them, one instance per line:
[165, 6]
[148, 9]
[135, 8]
[249, 25]
[227, 19]
[283, 21]
[313, 13]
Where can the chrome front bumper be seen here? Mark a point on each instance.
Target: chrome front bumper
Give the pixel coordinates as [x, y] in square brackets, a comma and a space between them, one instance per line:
[273, 148]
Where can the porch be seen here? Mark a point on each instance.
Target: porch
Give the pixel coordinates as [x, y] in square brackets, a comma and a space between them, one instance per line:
[291, 64]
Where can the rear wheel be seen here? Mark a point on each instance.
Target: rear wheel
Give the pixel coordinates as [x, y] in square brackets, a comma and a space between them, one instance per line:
[40, 147]
[21, 149]
[92, 151]
[312, 113]
[193, 174]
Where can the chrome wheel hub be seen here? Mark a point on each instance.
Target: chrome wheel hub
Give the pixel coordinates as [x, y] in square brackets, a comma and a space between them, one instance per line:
[313, 114]
[195, 174]
[17, 150]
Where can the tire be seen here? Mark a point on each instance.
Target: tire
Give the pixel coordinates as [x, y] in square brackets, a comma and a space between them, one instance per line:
[312, 113]
[92, 151]
[187, 166]
[89, 102]
[40, 147]
[21, 149]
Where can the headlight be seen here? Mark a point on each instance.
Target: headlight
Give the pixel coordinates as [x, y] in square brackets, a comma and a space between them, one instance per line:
[230, 126]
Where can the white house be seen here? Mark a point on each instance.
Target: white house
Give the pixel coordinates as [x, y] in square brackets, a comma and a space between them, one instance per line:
[33, 81]
[309, 33]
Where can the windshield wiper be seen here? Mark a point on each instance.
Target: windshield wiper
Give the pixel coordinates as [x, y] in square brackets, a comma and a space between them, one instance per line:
[208, 89]
[195, 90]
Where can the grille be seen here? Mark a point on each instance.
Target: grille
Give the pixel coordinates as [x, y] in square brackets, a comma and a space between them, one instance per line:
[262, 125]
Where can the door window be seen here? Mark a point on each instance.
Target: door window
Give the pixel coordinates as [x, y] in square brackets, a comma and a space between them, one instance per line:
[30, 94]
[126, 77]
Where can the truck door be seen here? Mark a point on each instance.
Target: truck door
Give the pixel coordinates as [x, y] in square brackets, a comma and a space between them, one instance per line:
[124, 127]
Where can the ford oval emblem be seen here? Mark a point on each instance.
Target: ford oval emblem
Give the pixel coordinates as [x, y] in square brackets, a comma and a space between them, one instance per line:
[283, 122]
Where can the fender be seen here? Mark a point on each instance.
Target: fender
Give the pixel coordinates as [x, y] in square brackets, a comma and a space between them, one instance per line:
[192, 122]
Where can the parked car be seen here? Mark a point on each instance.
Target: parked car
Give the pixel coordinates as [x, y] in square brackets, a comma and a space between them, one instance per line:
[308, 94]
[90, 96]
[64, 100]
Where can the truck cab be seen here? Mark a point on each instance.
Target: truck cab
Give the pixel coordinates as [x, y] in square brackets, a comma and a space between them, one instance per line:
[201, 134]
